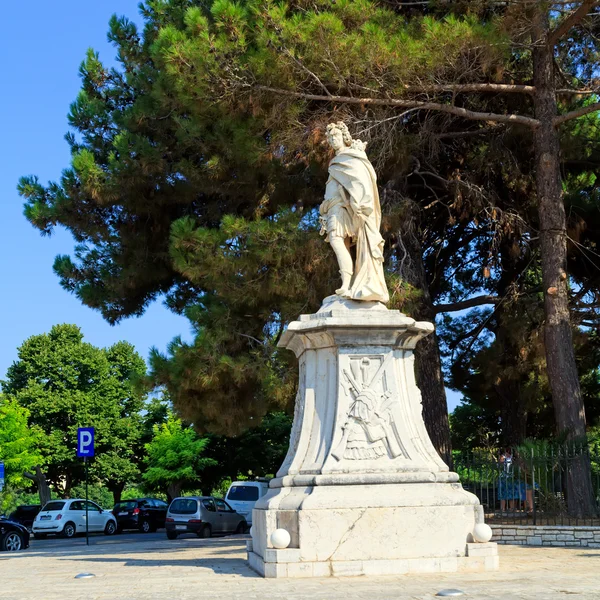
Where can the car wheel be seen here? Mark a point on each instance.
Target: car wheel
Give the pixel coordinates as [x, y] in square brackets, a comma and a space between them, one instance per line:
[12, 542]
[69, 530]
[110, 528]
[205, 532]
[242, 527]
[145, 526]
[40, 536]
[171, 535]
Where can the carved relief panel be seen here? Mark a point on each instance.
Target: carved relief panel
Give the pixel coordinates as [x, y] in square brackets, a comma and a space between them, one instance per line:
[369, 428]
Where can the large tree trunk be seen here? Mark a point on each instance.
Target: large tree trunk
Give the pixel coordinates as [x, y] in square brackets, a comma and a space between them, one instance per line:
[40, 480]
[560, 356]
[117, 492]
[428, 371]
[173, 490]
[509, 381]
[428, 365]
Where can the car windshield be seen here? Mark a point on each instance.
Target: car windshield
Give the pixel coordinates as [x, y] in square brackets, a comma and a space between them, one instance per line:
[243, 493]
[23, 510]
[184, 506]
[54, 506]
[125, 505]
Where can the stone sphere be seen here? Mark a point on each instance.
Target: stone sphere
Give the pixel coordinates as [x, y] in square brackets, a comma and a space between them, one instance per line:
[482, 533]
[280, 539]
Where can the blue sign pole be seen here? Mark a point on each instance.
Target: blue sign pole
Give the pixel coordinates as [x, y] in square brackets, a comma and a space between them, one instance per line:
[1, 476]
[85, 448]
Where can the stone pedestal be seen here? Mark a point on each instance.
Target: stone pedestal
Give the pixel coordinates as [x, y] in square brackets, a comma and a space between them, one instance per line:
[362, 489]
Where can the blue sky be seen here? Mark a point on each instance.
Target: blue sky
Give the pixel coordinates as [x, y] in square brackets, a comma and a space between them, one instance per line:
[41, 48]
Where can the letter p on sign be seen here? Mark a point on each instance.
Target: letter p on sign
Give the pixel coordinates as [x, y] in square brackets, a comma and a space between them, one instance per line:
[85, 441]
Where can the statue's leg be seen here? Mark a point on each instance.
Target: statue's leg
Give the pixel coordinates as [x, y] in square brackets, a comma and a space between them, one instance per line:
[342, 253]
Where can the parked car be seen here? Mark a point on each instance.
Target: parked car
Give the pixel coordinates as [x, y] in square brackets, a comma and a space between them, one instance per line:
[243, 495]
[13, 536]
[67, 518]
[145, 514]
[202, 515]
[25, 514]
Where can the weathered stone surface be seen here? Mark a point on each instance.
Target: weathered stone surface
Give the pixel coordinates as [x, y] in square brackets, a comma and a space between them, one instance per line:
[362, 486]
[487, 549]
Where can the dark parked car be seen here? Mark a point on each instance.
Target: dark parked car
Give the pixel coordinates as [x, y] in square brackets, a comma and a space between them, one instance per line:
[203, 515]
[25, 514]
[13, 536]
[145, 514]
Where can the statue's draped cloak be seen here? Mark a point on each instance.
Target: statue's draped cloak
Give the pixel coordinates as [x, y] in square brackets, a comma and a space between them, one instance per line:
[356, 177]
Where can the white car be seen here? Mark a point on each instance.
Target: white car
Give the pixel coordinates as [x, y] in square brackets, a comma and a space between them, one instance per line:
[243, 495]
[67, 518]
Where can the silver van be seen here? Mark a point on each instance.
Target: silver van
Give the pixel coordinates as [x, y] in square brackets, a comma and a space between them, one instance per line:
[202, 515]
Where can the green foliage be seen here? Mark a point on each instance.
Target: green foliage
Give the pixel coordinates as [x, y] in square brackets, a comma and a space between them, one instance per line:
[471, 427]
[65, 383]
[11, 497]
[18, 443]
[258, 452]
[136, 491]
[250, 269]
[97, 493]
[175, 459]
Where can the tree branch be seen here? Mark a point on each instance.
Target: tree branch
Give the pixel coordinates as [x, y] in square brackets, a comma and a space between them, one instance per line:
[591, 324]
[575, 92]
[573, 19]
[575, 114]
[474, 132]
[465, 336]
[313, 75]
[507, 88]
[447, 108]
[477, 301]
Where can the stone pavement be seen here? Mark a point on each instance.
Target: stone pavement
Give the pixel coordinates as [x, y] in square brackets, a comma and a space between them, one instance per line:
[201, 569]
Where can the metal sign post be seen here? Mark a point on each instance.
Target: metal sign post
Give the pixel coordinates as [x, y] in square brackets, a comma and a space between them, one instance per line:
[87, 520]
[85, 448]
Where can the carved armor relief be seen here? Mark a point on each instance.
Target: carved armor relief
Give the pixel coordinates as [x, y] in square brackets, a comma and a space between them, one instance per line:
[369, 431]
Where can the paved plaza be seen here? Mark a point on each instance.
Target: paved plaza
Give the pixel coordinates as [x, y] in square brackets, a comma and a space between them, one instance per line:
[141, 567]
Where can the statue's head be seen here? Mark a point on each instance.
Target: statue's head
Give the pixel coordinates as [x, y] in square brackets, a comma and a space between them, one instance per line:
[338, 136]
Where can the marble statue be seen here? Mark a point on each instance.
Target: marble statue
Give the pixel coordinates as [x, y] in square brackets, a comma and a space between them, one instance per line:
[351, 215]
[362, 489]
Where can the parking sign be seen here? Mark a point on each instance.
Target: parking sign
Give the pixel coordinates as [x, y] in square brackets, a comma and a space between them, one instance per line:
[1, 476]
[85, 441]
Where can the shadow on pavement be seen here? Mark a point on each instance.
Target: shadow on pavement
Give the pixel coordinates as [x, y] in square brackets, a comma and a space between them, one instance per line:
[217, 564]
[115, 547]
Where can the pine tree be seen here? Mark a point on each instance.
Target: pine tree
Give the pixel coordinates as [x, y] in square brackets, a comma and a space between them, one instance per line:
[265, 56]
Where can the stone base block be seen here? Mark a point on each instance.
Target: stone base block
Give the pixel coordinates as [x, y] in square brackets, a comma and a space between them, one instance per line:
[421, 528]
[356, 568]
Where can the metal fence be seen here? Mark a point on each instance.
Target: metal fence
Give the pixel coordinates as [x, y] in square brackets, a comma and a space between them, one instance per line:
[532, 486]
